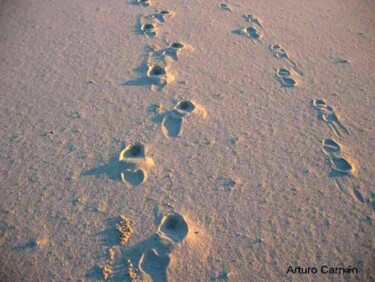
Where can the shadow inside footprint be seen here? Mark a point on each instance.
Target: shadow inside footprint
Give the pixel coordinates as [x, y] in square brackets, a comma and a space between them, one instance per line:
[171, 124]
[155, 265]
[133, 151]
[186, 106]
[330, 147]
[134, 177]
[288, 82]
[174, 227]
[341, 165]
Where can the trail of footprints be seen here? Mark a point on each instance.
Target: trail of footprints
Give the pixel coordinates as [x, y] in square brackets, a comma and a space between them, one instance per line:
[136, 165]
[173, 229]
[288, 76]
[342, 168]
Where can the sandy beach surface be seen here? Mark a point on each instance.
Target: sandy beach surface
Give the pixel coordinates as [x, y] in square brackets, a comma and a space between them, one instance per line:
[186, 140]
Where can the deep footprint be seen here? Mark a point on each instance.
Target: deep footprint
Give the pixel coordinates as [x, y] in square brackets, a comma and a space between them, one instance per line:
[174, 227]
[136, 150]
[185, 106]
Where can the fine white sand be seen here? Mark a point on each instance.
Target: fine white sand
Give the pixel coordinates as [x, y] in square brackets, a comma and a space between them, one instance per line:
[229, 180]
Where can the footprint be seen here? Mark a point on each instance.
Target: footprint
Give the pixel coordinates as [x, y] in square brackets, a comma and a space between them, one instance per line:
[144, 3]
[136, 150]
[253, 19]
[173, 120]
[280, 53]
[225, 7]
[134, 177]
[328, 115]
[159, 76]
[155, 265]
[286, 78]
[172, 124]
[342, 165]
[136, 164]
[161, 16]
[174, 227]
[149, 30]
[175, 48]
[353, 192]
[185, 107]
[358, 195]
[252, 33]
[330, 147]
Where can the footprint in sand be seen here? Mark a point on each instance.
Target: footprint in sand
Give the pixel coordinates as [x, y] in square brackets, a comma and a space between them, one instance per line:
[252, 32]
[330, 147]
[253, 19]
[340, 168]
[136, 164]
[341, 165]
[332, 150]
[225, 7]
[159, 76]
[287, 78]
[149, 30]
[172, 122]
[154, 71]
[154, 262]
[280, 53]
[144, 3]
[155, 265]
[161, 16]
[173, 50]
[174, 227]
[328, 115]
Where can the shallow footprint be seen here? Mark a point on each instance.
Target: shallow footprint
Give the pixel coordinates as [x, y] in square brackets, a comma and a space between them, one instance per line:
[171, 124]
[283, 72]
[225, 7]
[288, 82]
[328, 115]
[174, 227]
[331, 147]
[286, 78]
[155, 265]
[253, 19]
[161, 16]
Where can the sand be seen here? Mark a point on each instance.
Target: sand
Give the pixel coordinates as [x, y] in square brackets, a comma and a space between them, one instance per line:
[237, 138]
